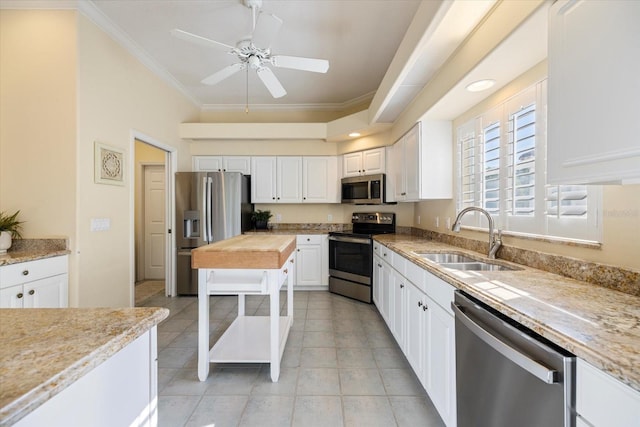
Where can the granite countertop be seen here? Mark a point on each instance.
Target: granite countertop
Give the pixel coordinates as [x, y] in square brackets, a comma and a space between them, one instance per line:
[24, 250]
[599, 325]
[46, 350]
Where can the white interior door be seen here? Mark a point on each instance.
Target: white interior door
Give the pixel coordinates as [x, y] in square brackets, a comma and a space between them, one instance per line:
[154, 222]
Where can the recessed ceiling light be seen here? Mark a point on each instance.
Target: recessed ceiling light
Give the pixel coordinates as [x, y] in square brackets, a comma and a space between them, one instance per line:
[481, 85]
[354, 134]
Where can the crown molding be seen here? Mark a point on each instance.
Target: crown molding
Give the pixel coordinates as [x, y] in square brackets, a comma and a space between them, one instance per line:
[39, 4]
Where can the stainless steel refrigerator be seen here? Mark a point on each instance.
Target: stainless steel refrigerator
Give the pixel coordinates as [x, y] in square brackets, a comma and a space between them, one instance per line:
[210, 206]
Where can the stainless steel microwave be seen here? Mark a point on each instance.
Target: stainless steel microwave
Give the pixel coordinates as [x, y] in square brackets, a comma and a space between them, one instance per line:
[364, 190]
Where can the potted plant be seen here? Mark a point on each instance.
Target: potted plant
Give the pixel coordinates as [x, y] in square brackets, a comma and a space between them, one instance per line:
[261, 219]
[9, 228]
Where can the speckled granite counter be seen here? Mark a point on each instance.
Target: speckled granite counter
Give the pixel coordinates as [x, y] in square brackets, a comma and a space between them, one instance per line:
[45, 350]
[599, 325]
[24, 250]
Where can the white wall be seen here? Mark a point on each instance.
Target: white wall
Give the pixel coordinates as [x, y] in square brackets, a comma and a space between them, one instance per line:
[116, 94]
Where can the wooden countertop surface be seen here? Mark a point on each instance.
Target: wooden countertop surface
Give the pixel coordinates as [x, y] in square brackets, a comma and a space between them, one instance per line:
[245, 251]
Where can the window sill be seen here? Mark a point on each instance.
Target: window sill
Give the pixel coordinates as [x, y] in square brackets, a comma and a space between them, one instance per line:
[590, 244]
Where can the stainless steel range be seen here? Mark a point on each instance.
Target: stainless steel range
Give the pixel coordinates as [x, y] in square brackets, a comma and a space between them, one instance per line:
[351, 254]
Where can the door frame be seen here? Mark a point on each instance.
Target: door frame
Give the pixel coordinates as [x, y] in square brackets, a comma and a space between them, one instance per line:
[171, 165]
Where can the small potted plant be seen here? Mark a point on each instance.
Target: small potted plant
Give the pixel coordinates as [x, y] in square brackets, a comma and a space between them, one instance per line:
[9, 228]
[261, 219]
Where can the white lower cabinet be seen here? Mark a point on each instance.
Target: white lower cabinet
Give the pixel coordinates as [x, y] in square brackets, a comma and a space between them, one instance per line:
[40, 283]
[312, 261]
[121, 391]
[416, 307]
[603, 401]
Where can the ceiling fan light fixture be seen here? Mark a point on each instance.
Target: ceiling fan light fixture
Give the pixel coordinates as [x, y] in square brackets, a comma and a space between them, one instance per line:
[354, 134]
[480, 85]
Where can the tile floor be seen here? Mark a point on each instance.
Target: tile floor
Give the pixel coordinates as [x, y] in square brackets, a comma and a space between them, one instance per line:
[341, 367]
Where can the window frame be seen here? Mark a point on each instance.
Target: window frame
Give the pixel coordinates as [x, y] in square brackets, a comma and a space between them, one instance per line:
[539, 225]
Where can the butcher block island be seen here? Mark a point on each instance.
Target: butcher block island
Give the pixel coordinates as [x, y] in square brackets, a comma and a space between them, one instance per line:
[245, 265]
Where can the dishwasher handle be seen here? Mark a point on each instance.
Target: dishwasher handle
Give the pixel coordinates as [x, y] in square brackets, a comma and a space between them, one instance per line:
[549, 376]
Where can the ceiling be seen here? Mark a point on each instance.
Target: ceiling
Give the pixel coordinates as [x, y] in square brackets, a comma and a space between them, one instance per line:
[358, 37]
[382, 52]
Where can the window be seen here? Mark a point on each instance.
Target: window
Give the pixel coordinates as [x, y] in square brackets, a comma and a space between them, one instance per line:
[502, 168]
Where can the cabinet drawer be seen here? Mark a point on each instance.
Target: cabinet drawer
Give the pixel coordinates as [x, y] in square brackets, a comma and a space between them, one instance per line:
[439, 291]
[32, 270]
[309, 239]
[603, 400]
[399, 263]
[416, 274]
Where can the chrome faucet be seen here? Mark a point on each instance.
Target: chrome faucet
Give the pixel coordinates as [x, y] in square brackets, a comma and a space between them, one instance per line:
[494, 243]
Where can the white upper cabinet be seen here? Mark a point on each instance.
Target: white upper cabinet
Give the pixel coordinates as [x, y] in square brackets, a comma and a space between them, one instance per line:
[594, 97]
[320, 182]
[240, 164]
[367, 162]
[276, 179]
[421, 164]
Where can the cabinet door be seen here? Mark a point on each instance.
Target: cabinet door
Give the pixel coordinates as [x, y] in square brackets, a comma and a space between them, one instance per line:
[50, 292]
[320, 179]
[240, 164]
[377, 282]
[289, 180]
[309, 265]
[352, 164]
[440, 375]
[207, 163]
[397, 313]
[263, 179]
[12, 297]
[411, 143]
[373, 161]
[593, 94]
[415, 332]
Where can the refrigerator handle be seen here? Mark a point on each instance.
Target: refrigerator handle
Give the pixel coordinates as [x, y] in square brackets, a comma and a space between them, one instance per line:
[209, 208]
[205, 223]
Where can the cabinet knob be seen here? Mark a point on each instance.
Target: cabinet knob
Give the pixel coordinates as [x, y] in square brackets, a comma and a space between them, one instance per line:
[424, 307]
[273, 198]
[32, 291]
[379, 265]
[25, 272]
[401, 285]
[291, 261]
[298, 250]
[285, 271]
[20, 295]
[419, 303]
[308, 239]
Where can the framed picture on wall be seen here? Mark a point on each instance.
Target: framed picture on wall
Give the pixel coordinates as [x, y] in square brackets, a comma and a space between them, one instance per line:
[109, 164]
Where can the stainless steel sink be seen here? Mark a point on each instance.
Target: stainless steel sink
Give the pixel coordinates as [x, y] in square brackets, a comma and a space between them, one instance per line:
[476, 266]
[444, 257]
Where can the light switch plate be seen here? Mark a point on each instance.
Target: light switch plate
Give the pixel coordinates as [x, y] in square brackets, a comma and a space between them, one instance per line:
[100, 224]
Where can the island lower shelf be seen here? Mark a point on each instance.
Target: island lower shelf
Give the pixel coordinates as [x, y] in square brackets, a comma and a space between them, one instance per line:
[247, 340]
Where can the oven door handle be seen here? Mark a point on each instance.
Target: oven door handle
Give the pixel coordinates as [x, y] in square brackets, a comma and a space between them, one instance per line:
[350, 239]
[549, 376]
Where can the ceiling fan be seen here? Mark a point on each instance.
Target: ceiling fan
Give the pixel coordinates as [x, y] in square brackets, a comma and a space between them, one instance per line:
[255, 53]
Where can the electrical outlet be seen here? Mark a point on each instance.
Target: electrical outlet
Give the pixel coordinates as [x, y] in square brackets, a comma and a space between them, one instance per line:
[418, 219]
[448, 223]
[278, 217]
[329, 217]
[437, 222]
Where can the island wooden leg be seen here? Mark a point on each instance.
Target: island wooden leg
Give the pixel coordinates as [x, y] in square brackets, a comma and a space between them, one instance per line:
[203, 326]
[274, 310]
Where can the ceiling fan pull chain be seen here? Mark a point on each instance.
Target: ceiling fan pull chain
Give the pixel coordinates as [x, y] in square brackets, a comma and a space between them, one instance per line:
[246, 108]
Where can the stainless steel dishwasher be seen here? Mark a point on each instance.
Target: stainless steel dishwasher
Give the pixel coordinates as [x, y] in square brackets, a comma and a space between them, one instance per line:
[506, 374]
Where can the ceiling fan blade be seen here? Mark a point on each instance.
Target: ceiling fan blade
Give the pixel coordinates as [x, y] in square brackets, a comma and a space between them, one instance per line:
[266, 29]
[202, 41]
[271, 82]
[300, 63]
[223, 74]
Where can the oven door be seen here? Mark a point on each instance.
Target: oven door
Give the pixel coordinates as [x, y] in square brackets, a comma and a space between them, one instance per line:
[351, 258]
